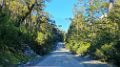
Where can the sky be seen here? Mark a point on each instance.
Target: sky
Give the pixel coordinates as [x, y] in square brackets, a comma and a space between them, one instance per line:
[60, 10]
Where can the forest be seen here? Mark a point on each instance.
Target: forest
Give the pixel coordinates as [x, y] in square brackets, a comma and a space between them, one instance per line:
[26, 31]
[25, 25]
[93, 34]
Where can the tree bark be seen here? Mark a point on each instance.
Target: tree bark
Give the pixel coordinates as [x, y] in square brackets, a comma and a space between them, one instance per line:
[111, 4]
[26, 14]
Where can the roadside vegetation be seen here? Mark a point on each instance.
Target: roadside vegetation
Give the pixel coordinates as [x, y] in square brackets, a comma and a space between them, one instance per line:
[25, 25]
[89, 34]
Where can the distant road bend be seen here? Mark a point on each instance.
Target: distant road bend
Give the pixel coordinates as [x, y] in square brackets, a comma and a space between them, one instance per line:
[63, 58]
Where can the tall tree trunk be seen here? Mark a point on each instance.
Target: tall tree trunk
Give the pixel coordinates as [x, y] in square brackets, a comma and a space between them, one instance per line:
[111, 4]
[3, 3]
[91, 12]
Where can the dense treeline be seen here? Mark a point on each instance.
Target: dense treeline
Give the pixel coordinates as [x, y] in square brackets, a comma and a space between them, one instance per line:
[98, 37]
[23, 24]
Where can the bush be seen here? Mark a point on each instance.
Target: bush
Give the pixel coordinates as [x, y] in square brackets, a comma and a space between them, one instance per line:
[106, 52]
[100, 55]
[70, 44]
[75, 47]
[83, 48]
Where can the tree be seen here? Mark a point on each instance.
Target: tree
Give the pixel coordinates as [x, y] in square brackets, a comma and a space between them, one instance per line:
[96, 36]
[21, 28]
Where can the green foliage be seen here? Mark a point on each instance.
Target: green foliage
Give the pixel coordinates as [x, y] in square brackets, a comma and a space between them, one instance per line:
[97, 37]
[20, 29]
[75, 47]
[100, 55]
[40, 38]
[83, 48]
[70, 44]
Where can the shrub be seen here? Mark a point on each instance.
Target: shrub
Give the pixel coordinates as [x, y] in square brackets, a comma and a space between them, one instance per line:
[105, 52]
[100, 55]
[75, 47]
[70, 44]
[83, 48]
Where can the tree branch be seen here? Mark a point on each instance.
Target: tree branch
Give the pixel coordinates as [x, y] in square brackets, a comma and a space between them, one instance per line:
[25, 16]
